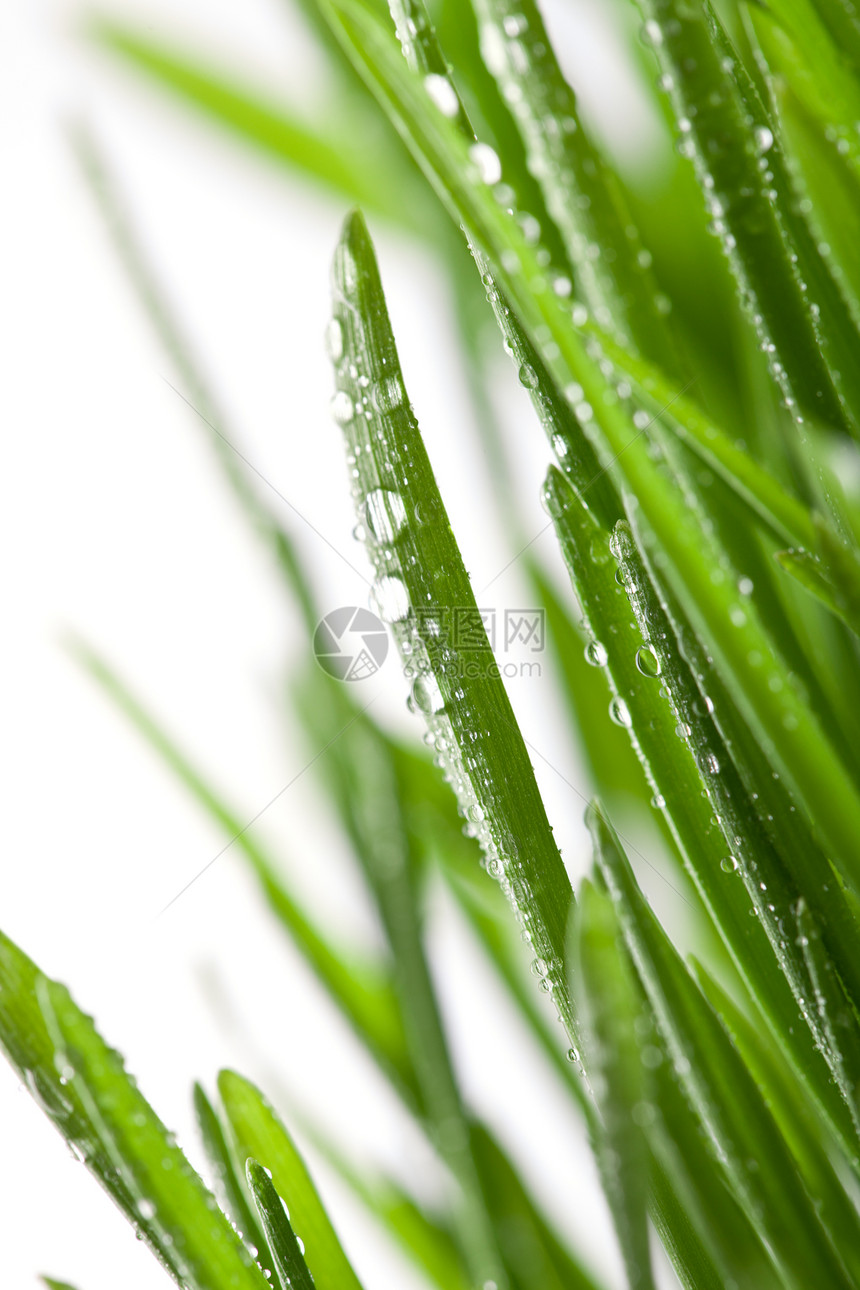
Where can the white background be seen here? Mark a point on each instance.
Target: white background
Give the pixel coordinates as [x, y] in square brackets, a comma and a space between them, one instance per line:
[117, 525]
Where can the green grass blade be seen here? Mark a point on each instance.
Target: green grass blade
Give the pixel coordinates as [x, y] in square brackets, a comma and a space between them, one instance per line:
[801, 1128]
[748, 1145]
[726, 132]
[611, 268]
[83, 1088]
[236, 1204]
[609, 1007]
[810, 573]
[286, 1252]
[785, 724]
[257, 1132]
[420, 583]
[381, 180]
[51, 1284]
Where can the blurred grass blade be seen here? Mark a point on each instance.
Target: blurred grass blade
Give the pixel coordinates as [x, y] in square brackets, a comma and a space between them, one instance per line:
[287, 1255]
[749, 1147]
[808, 570]
[82, 1086]
[361, 989]
[609, 1007]
[421, 587]
[257, 1132]
[51, 1284]
[383, 180]
[236, 1205]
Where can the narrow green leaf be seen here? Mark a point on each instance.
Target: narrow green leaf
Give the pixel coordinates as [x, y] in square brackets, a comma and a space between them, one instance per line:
[81, 1085]
[232, 1186]
[611, 268]
[423, 591]
[257, 1132]
[745, 1139]
[609, 1008]
[800, 1127]
[361, 989]
[744, 653]
[51, 1284]
[379, 179]
[811, 574]
[726, 131]
[286, 1252]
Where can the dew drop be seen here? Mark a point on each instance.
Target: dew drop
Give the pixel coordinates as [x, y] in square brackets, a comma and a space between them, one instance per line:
[426, 693]
[334, 340]
[487, 162]
[342, 408]
[651, 33]
[647, 661]
[682, 730]
[595, 654]
[763, 139]
[528, 377]
[515, 24]
[390, 599]
[620, 713]
[442, 93]
[146, 1209]
[729, 865]
[384, 514]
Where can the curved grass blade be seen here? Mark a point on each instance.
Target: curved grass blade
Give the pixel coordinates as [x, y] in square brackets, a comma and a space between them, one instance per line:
[286, 1253]
[222, 1164]
[747, 1143]
[421, 587]
[609, 1008]
[383, 179]
[51, 1284]
[257, 1132]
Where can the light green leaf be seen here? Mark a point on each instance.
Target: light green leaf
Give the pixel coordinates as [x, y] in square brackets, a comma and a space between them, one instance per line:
[257, 1132]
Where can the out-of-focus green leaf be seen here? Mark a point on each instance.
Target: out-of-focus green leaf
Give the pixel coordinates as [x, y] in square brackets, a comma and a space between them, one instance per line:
[237, 1205]
[609, 1007]
[379, 178]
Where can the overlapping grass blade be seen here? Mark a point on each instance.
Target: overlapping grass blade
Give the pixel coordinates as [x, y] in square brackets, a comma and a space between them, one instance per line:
[744, 653]
[231, 1184]
[713, 101]
[82, 1086]
[751, 1151]
[611, 268]
[256, 1131]
[609, 1007]
[286, 1252]
[692, 777]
